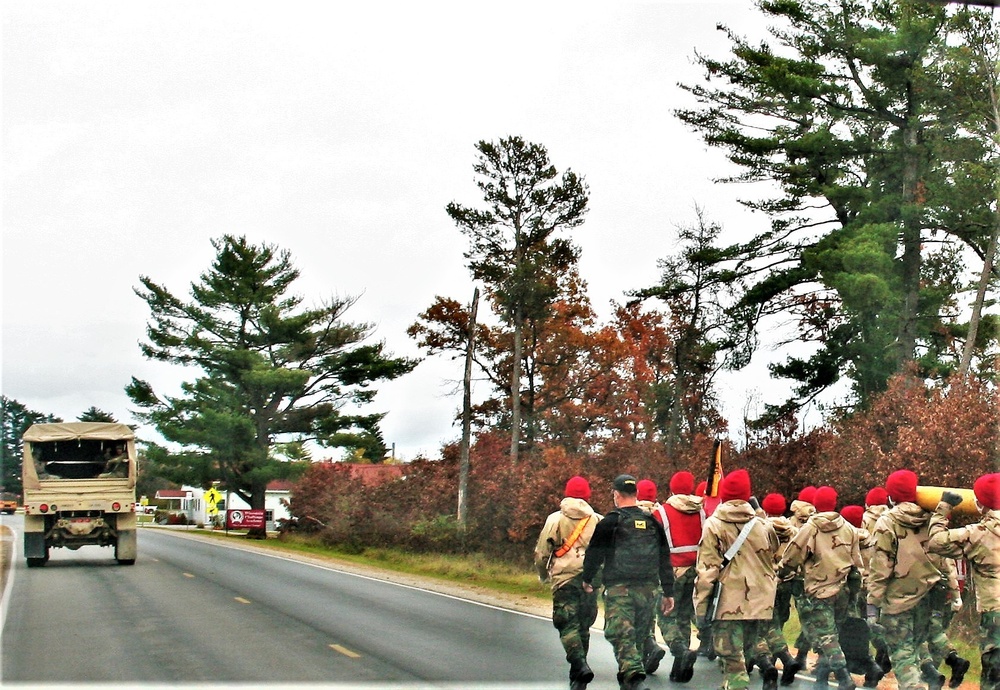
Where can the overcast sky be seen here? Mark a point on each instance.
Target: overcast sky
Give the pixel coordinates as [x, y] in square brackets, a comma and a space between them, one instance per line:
[135, 132]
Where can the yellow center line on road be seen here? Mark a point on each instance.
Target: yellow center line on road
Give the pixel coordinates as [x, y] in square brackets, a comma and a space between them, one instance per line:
[345, 651]
[242, 600]
[188, 575]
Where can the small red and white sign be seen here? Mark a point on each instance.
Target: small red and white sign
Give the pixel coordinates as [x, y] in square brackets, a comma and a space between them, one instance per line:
[245, 519]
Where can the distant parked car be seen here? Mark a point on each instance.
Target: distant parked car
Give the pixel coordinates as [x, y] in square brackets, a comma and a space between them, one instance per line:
[8, 504]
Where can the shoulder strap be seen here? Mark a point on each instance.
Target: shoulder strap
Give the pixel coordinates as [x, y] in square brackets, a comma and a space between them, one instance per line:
[577, 531]
[744, 533]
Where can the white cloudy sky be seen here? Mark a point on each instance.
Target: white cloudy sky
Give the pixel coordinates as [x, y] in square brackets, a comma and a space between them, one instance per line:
[133, 132]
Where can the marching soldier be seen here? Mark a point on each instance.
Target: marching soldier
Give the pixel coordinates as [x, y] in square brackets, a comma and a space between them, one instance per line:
[826, 548]
[559, 556]
[901, 576]
[979, 543]
[736, 557]
[632, 548]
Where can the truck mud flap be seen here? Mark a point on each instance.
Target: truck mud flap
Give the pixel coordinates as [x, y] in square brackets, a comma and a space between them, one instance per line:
[126, 547]
[36, 551]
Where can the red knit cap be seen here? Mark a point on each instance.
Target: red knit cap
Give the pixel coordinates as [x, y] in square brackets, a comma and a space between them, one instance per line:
[853, 514]
[702, 489]
[877, 497]
[735, 485]
[645, 490]
[682, 483]
[774, 504]
[578, 487]
[808, 494]
[826, 499]
[987, 490]
[902, 486]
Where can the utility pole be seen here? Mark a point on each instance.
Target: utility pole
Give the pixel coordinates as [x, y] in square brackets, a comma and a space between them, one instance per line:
[463, 467]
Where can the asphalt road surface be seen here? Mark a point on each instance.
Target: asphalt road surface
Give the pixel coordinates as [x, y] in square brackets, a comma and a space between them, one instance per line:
[204, 614]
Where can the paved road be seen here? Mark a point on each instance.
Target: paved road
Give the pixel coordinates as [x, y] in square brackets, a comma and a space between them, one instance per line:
[193, 612]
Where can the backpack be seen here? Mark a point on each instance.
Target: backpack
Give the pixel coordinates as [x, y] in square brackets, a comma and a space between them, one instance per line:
[637, 547]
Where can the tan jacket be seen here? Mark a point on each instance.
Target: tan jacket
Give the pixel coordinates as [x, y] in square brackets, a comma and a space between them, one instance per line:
[826, 547]
[900, 572]
[748, 582]
[801, 512]
[871, 516]
[558, 528]
[980, 544]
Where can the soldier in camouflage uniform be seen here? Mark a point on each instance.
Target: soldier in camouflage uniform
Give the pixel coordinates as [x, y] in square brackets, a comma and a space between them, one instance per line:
[559, 556]
[900, 578]
[632, 548]
[682, 516]
[876, 504]
[979, 543]
[774, 507]
[802, 509]
[746, 585]
[826, 548]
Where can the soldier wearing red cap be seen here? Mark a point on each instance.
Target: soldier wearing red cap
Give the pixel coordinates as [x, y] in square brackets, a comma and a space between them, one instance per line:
[682, 516]
[774, 507]
[979, 544]
[748, 570]
[901, 576]
[646, 498]
[802, 509]
[826, 549]
[559, 557]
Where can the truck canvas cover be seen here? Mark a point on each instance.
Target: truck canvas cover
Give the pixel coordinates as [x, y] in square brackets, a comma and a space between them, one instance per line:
[74, 431]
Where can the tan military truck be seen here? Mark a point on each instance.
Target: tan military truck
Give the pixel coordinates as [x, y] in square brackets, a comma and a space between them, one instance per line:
[79, 489]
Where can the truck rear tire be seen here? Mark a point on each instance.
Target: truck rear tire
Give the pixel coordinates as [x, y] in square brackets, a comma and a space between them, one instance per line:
[37, 562]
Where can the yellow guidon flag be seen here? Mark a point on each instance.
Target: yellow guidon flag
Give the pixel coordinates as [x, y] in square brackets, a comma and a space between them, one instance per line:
[714, 470]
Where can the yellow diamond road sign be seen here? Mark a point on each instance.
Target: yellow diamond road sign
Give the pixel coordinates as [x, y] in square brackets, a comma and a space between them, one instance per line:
[212, 496]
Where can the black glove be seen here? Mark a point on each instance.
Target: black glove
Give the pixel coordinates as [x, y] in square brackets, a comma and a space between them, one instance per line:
[952, 498]
[754, 503]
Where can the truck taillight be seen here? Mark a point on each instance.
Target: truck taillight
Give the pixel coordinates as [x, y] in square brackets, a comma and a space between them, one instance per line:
[44, 508]
[116, 506]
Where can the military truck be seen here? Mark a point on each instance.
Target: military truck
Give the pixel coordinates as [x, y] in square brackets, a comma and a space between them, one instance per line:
[79, 489]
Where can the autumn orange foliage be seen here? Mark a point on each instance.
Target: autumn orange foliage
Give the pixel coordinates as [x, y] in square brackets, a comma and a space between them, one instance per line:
[947, 435]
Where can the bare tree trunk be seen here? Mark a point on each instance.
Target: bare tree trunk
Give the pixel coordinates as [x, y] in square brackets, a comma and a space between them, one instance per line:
[515, 385]
[463, 468]
[988, 262]
[977, 307]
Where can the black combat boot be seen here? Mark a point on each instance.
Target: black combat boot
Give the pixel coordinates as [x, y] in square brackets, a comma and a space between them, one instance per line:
[822, 672]
[768, 672]
[802, 656]
[687, 667]
[930, 674]
[959, 666]
[882, 658]
[635, 682]
[580, 675]
[789, 667]
[873, 674]
[651, 660]
[844, 680]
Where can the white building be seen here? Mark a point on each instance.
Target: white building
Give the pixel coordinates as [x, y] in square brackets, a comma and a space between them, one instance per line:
[189, 501]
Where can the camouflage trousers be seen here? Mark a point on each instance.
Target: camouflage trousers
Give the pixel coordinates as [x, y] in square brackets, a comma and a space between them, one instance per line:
[989, 645]
[573, 613]
[729, 639]
[941, 614]
[676, 625]
[822, 617]
[906, 637]
[628, 623]
[804, 641]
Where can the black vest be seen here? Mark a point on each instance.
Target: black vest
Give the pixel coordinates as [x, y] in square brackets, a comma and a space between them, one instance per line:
[637, 548]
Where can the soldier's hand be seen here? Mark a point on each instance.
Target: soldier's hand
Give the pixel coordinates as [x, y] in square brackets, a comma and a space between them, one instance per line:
[588, 588]
[666, 605]
[952, 498]
[956, 604]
